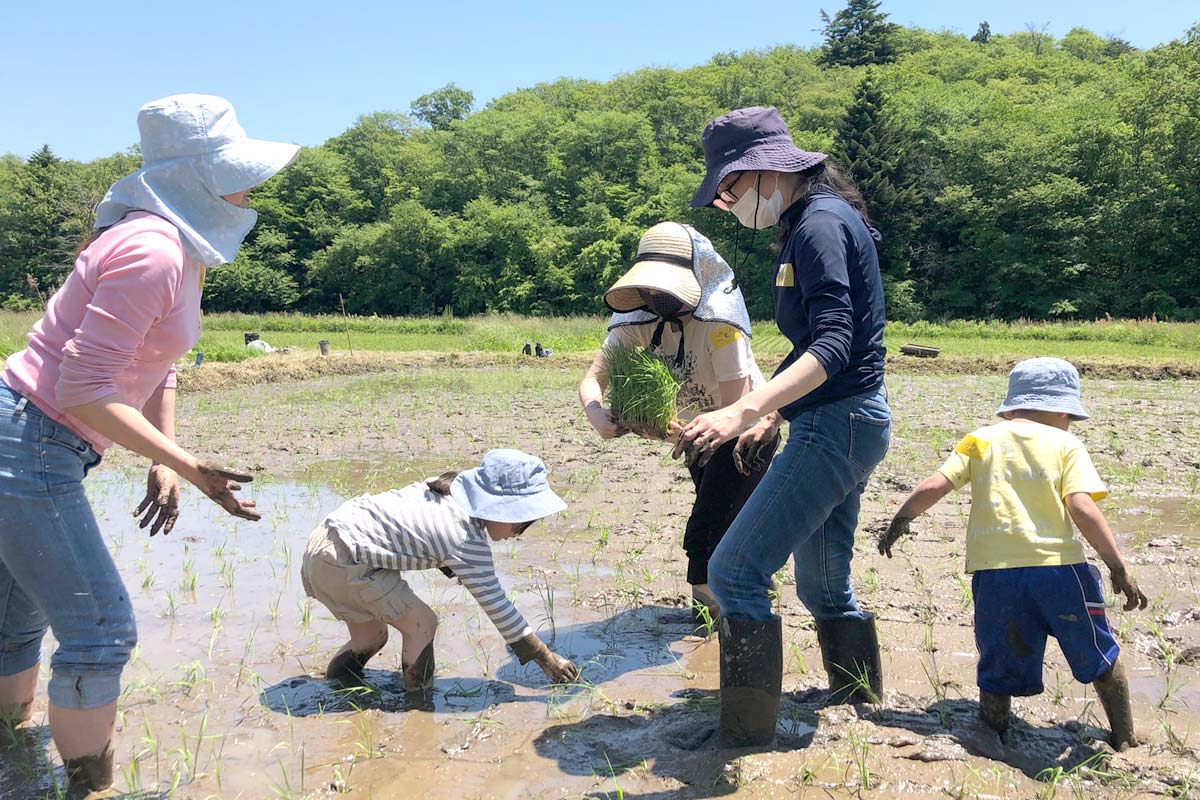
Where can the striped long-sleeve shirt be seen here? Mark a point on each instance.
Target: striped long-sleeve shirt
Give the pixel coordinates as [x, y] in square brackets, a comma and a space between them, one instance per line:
[415, 528]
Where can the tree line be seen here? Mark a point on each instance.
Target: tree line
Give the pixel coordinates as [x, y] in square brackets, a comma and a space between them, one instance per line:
[1012, 176]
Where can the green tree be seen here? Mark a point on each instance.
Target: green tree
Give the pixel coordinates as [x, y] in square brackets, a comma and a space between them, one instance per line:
[442, 107]
[859, 35]
[879, 155]
[984, 34]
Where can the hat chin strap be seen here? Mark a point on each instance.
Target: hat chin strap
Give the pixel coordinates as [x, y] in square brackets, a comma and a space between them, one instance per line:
[656, 339]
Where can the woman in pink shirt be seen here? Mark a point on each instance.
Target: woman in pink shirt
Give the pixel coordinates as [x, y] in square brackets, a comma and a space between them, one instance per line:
[99, 369]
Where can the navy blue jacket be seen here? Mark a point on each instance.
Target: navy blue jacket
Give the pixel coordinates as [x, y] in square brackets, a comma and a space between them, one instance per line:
[829, 298]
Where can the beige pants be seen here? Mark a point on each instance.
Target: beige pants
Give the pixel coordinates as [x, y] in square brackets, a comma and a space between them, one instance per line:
[351, 591]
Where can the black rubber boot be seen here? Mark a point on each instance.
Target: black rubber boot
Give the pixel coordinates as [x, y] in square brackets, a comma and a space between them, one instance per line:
[850, 652]
[751, 678]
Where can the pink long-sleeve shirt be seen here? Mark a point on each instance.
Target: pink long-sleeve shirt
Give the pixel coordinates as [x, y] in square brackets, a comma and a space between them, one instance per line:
[129, 309]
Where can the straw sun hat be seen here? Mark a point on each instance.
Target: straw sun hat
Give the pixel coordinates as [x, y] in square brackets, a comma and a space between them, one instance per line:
[664, 263]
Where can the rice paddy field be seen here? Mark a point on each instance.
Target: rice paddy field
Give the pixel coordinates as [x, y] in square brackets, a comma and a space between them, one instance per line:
[226, 697]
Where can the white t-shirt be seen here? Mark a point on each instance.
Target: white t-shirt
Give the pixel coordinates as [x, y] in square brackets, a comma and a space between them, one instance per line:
[713, 352]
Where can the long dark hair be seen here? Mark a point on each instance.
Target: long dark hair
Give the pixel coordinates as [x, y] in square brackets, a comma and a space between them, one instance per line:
[89, 239]
[441, 484]
[826, 178]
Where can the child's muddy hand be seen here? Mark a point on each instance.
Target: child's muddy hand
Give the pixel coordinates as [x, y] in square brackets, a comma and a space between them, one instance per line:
[897, 528]
[219, 484]
[1123, 583]
[557, 668]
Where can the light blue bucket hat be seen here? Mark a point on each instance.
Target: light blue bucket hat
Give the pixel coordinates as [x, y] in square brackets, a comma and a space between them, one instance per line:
[509, 486]
[1044, 384]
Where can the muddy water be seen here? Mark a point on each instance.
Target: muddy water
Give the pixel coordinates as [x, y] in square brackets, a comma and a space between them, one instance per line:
[226, 699]
[225, 696]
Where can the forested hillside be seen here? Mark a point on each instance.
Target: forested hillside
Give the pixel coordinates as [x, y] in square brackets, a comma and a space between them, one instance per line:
[1012, 176]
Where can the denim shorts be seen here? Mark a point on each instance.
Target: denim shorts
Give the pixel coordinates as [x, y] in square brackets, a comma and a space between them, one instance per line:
[1017, 609]
[55, 570]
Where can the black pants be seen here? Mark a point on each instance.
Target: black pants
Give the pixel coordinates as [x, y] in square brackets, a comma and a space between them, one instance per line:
[721, 491]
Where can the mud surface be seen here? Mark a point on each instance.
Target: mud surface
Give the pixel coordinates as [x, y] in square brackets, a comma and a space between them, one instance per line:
[225, 697]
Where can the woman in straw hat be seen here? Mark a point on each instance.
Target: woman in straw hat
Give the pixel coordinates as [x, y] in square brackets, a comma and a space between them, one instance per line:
[829, 304]
[680, 300]
[99, 369]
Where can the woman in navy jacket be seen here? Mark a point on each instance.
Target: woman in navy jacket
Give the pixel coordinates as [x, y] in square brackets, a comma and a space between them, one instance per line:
[829, 304]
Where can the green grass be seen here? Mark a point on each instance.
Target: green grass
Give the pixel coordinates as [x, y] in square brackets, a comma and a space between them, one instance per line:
[505, 333]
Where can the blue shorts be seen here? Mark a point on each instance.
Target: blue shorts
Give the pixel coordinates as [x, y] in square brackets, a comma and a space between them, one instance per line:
[1016, 609]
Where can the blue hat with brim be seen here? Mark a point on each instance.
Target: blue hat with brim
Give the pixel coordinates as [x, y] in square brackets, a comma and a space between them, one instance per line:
[1044, 384]
[748, 140]
[508, 486]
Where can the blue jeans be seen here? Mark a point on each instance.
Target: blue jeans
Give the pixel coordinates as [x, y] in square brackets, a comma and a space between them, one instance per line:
[55, 570]
[807, 508]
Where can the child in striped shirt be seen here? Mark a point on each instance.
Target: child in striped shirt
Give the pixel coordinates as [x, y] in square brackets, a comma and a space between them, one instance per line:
[356, 559]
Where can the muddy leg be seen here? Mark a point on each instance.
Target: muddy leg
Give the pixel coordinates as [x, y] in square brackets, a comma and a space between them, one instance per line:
[366, 639]
[995, 709]
[416, 656]
[1113, 691]
[84, 739]
[16, 696]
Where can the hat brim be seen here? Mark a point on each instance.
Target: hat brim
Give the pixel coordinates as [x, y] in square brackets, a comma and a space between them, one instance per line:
[246, 163]
[771, 157]
[661, 276]
[1053, 405]
[503, 508]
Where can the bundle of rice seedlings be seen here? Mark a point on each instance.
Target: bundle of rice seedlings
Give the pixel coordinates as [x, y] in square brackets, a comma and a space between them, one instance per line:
[642, 390]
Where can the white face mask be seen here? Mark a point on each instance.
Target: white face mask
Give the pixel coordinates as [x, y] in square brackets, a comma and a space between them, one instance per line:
[769, 209]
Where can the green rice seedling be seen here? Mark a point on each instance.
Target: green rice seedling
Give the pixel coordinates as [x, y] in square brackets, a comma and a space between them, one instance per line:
[707, 622]
[169, 611]
[798, 659]
[965, 600]
[860, 753]
[643, 393]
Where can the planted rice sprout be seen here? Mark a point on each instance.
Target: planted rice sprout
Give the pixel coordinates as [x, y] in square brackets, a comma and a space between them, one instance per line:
[643, 393]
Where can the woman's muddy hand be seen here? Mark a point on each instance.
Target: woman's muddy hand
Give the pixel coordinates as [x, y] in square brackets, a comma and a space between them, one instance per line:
[1123, 583]
[897, 528]
[755, 447]
[219, 484]
[701, 437]
[557, 668]
[604, 422]
[161, 503]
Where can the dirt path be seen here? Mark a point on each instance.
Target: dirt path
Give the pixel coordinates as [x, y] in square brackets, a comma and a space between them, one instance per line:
[225, 698]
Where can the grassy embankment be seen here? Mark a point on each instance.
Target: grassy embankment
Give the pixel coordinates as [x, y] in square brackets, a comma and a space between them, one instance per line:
[1135, 348]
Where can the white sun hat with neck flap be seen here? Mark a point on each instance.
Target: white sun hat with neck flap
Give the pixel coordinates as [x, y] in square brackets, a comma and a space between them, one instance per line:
[194, 151]
[710, 290]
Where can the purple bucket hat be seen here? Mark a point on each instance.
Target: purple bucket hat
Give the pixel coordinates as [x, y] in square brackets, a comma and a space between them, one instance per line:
[746, 140]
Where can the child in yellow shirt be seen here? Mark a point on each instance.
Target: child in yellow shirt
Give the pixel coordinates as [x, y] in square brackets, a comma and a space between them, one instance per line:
[1030, 479]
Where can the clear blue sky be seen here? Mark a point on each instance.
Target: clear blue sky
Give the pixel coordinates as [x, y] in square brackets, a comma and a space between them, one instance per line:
[73, 74]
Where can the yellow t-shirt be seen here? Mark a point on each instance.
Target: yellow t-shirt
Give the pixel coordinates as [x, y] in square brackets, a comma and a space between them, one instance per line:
[1020, 473]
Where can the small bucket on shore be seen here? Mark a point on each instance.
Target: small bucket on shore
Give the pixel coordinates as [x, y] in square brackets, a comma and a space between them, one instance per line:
[324, 345]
